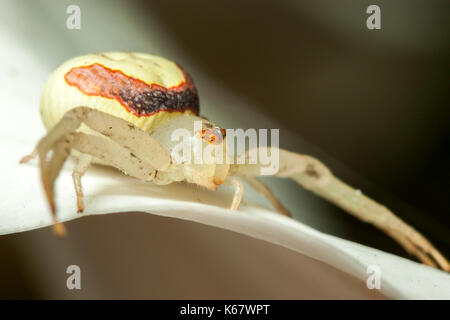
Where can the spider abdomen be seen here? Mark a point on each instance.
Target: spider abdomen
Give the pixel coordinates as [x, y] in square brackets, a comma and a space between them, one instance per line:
[140, 88]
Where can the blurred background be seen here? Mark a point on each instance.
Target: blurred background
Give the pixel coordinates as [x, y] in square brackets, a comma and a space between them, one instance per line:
[372, 104]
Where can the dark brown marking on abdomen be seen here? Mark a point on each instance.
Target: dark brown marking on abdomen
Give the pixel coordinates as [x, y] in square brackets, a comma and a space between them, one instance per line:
[138, 97]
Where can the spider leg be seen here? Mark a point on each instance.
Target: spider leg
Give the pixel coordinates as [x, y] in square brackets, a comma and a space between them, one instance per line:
[121, 131]
[49, 171]
[410, 248]
[316, 177]
[264, 190]
[122, 149]
[113, 154]
[92, 146]
[83, 163]
[238, 191]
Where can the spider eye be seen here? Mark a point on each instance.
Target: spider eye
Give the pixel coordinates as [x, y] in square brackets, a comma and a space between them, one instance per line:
[212, 135]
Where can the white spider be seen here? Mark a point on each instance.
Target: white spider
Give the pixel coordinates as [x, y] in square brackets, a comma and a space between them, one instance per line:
[120, 109]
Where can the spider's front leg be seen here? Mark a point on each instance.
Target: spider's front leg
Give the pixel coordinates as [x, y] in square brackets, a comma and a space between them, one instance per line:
[316, 177]
[121, 146]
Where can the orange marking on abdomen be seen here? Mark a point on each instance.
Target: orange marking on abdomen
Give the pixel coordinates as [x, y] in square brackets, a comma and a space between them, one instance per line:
[138, 97]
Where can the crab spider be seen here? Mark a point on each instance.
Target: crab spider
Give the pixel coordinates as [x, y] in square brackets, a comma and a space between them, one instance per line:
[120, 109]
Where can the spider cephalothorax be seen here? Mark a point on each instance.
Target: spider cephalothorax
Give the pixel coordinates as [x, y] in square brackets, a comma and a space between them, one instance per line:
[122, 110]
